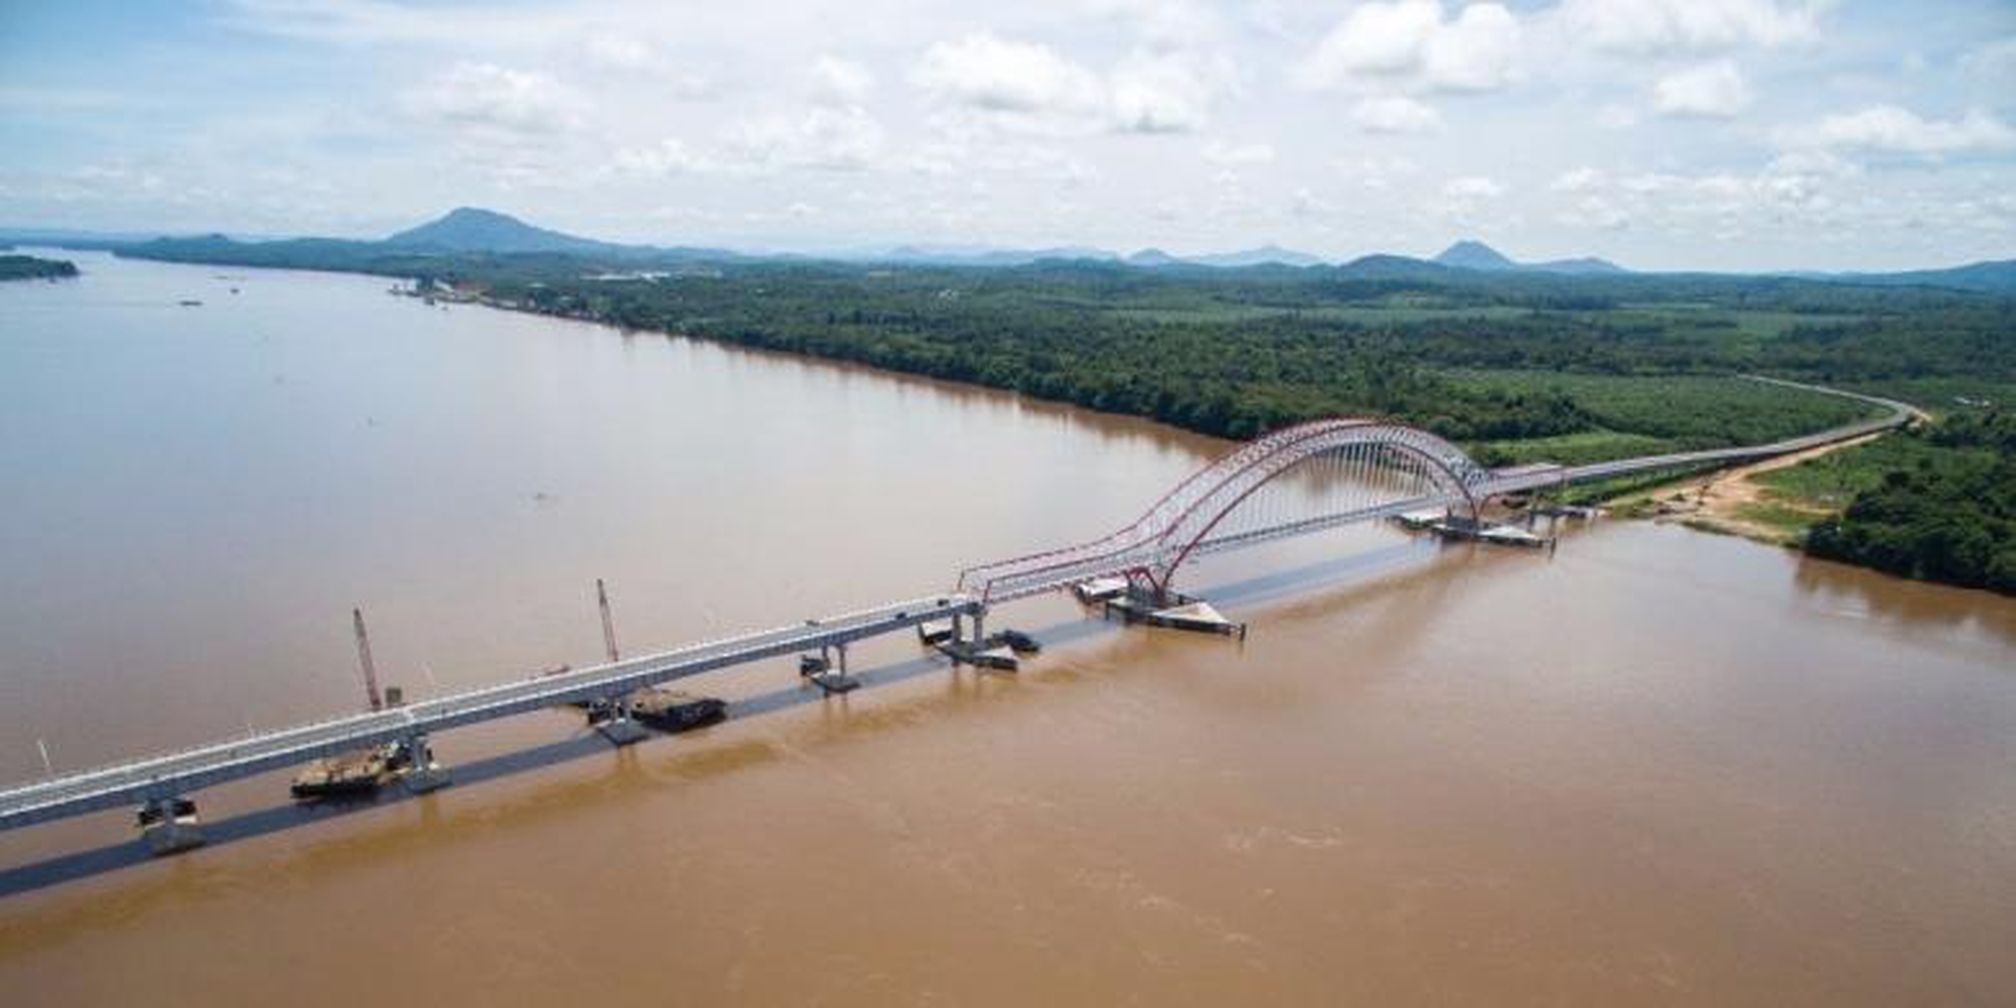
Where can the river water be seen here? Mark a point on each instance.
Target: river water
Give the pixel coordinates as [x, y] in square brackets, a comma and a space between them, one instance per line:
[1655, 766]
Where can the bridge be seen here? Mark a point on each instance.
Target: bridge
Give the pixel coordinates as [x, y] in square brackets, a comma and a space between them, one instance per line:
[1374, 469]
[1296, 481]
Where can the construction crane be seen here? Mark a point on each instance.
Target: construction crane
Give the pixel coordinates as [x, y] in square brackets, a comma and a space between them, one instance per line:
[364, 659]
[608, 625]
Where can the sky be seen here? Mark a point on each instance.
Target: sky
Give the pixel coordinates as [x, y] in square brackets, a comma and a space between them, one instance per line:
[1662, 134]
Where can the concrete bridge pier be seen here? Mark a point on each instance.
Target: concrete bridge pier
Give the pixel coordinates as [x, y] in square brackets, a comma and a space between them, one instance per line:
[616, 723]
[422, 773]
[169, 824]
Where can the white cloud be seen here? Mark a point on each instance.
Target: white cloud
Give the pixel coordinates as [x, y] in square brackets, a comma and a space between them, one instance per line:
[1890, 129]
[1409, 43]
[1475, 52]
[1000, 75]
[842, 82]
[1223, 155]
[838, 139]
[492, 98]
[1165, 92]
[1394, 114]
[1655, 26]
[1712, 90]
[1031, 85]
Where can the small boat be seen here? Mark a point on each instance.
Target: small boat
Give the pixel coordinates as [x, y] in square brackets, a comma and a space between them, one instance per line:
[191, 303]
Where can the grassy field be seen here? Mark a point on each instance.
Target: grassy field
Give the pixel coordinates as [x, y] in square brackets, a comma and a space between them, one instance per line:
[1829, 482]
[1755, 323]
[1576, 448]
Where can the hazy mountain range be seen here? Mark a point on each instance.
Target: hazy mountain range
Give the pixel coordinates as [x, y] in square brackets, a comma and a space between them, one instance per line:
[474, 230]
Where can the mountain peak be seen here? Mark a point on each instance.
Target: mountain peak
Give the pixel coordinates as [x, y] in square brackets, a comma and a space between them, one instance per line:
[1152, 257]
[1472, 254]
[474, 229]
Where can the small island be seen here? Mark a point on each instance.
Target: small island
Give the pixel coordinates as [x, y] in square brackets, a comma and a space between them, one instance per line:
[21, 267]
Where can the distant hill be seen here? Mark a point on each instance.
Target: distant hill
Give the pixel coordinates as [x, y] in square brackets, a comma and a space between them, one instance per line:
[483, 234]
[1997, 276]
[1262, 256]
[1583, 265]
[1153, 257]
[1472, 254]
[1394, 267]
[1468, 254]
[976, 255]
[468, 229]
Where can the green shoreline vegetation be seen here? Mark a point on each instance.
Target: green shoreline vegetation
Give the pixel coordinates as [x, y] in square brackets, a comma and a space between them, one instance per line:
[1937, 504]
[1515, 368]
[21, 267]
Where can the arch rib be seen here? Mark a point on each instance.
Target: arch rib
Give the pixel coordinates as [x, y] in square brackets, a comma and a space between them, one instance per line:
[1157, 541]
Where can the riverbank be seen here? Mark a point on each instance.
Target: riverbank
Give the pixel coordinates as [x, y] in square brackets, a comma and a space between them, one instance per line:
[1735, 501]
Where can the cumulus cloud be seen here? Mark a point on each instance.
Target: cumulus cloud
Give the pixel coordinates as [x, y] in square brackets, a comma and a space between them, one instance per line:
[1394, 114]
[1033, 85]
[1712, 90]
[1165, 92]
[1001, 75]
[489, 97]
[1893, 130]
[1412, 44]
[1653, 26]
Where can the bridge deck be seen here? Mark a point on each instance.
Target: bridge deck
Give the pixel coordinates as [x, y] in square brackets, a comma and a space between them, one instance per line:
[179, 773]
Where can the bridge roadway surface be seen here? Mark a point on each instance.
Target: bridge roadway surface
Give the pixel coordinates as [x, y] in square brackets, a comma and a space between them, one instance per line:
[158, 778]
[179, 773]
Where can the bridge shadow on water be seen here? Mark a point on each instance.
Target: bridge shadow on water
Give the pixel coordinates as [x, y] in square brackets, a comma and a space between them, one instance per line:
[131, 852]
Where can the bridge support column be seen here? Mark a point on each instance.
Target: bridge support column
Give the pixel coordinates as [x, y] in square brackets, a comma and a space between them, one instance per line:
[979, 627]
[169, 824]
[617, 725]
[422, 773]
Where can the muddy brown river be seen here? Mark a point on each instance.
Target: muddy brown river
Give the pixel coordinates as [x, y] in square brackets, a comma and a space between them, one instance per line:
[1653, 766]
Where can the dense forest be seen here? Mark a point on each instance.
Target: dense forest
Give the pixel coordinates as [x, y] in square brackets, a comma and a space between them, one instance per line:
[21, 267]
[1520, 366]
[1948, 514]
